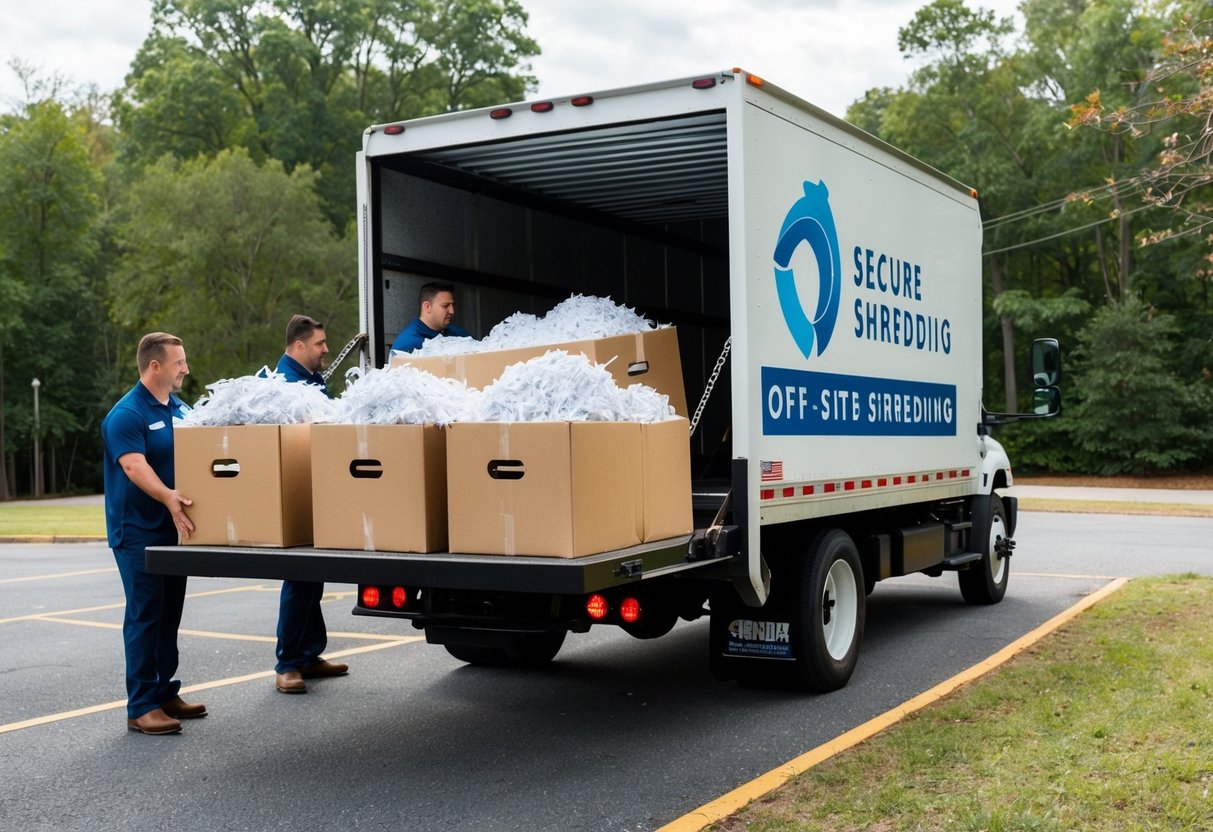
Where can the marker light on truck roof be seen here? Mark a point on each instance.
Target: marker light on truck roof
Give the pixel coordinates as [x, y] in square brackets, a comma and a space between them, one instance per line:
[400, 597]
[703, 83]
[394, 129]
[542, 107]
[596, 606]
[629, 610]
[582, 100]
[753, 80]
[370, 596]
[504, 112]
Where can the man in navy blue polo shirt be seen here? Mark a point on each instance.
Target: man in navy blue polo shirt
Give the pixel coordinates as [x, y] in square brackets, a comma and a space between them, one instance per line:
[302, 636]
[437, 310]
[143, 508]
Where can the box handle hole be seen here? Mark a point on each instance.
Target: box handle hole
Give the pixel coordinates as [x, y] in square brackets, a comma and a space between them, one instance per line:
[506, 469]
[225, 468]
[366, 469]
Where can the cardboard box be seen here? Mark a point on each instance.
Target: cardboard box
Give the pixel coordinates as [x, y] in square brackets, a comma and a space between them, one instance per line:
[651, 358]
[666, 463]
[379, 487]
[251, 485]
[557, 489]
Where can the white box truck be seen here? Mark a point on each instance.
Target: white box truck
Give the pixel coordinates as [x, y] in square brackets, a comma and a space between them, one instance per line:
[826, 290]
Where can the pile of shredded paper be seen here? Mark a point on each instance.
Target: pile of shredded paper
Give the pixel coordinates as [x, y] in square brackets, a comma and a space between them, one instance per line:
[267, 399]
[405, 396]
[558, 387]
[576, 319]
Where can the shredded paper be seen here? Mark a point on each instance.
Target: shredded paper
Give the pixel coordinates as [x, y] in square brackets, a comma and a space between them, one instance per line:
[405, 396]
[260, 400]
[576, 319]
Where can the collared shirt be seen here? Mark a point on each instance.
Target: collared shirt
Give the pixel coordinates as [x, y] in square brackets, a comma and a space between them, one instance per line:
[140, 424]
[296, 372]
[417, 333]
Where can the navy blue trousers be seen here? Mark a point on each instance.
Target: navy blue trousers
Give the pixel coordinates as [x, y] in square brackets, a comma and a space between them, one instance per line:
[149, 630]
[301, 633]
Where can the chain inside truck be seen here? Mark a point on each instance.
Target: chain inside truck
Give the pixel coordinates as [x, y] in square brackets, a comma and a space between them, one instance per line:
[826, 292]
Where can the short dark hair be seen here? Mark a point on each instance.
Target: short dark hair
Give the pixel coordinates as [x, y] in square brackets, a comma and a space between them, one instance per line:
[300, 328]
[431, 290]
[152, 348]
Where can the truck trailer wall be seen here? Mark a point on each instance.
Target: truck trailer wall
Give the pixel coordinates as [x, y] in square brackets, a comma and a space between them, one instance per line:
[860, 362]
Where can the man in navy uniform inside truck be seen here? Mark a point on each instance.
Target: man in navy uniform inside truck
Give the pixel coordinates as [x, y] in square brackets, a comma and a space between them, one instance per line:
[437, 310]
[302, 636]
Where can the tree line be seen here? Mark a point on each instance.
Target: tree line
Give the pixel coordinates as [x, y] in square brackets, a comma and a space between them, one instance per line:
[212, 195]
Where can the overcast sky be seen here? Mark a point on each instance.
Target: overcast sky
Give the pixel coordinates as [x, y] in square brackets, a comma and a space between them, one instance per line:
[826, 51]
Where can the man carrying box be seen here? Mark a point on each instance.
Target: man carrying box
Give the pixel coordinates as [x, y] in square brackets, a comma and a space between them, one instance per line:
[143, 508]
[302, 636]
[437, 310]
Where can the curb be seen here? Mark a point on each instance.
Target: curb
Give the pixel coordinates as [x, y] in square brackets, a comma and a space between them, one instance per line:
[52, 538]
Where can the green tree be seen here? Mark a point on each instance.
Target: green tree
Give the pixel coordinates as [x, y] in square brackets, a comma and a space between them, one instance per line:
[53, 320]
[1133, 413]
[299, 81]
[222, 252]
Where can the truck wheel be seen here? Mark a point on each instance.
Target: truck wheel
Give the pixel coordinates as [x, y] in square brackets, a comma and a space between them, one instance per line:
[830, 612]
[525, 650]
[985, 582]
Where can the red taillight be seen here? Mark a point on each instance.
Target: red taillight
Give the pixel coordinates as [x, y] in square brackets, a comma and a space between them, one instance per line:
[703, 83]
[596, 606]
[370, 596]
[582, 100]
[394, 129]
[504, 112]
[629, 610]
[400, 597]
[542, 107]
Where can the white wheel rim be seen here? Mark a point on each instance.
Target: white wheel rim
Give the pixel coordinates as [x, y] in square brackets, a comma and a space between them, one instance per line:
[998, 564]
[840, 610]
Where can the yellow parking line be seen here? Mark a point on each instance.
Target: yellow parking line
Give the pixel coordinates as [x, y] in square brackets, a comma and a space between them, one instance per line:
[58, 575]
[727, 804]
[121, 604]
[218, 683]
[106, 625]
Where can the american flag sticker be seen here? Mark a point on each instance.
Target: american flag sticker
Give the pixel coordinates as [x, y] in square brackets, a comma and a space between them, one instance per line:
[771, 471]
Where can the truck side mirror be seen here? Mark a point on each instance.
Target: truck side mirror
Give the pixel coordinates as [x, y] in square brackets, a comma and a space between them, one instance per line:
[1046, 373]
[1046, 362]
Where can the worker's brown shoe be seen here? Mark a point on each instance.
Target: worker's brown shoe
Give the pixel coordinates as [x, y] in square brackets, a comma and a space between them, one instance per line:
[180, 709]
[154, 722]
[323, 667]
[290, 682]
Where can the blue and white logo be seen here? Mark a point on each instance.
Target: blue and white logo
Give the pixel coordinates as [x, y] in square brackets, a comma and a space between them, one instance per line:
[810, 221]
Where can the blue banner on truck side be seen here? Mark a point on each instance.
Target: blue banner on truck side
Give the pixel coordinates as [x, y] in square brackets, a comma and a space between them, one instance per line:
[803, 403]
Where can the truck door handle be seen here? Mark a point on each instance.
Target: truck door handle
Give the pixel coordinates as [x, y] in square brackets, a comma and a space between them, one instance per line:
[638, 368]
[225, 468]
[366, 469]
[506, 469]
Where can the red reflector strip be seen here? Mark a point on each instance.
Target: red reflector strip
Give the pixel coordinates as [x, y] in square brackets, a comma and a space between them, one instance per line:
[542, 107]
[767, 494]
[504, 112]
[849, 485]
[965, 472]
[808, 489]
[896, 480]
[703, 83]
[951, 475]
[828, 488]
[582, 100]
[789, 492]
[394, 129]
[866, 484]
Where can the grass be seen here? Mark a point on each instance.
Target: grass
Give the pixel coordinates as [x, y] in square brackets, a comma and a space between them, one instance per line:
[1107, 724]
[1177, 509]
[47, 521]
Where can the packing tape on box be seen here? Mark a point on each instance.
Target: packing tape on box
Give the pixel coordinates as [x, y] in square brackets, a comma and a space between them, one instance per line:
[508, 543]
[360, 434]
[232, 539]
[639, 347]
[368, 533]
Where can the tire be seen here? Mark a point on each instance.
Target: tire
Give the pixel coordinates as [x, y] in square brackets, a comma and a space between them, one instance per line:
[985, 582]
[524, 650]
[830, 611]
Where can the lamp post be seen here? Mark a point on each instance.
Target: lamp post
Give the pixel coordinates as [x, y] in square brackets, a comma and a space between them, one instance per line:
[37, 441]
